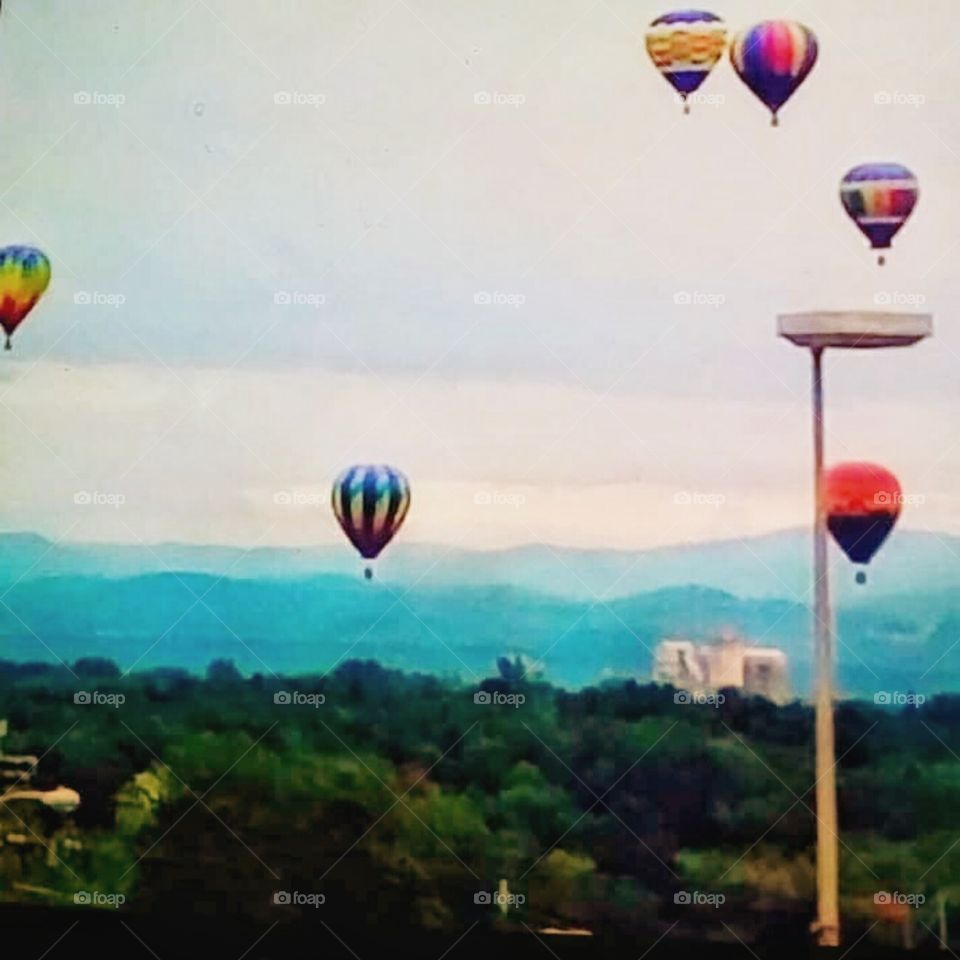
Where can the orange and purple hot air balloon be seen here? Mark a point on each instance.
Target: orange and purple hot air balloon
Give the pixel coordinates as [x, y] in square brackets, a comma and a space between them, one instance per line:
[879, 197]
[685, 46]
[862, 502]
[24, 275]
[370, 503]
[773, 58]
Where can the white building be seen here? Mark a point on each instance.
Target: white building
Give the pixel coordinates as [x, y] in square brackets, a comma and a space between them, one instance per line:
[729, 662]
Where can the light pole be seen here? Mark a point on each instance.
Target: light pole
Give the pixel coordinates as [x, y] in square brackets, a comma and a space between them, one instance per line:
[816, 332]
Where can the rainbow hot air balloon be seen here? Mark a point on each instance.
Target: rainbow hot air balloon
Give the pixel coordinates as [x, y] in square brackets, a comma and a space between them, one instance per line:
[773, 58]
[685, 46]
[879, 197]
[24, 275]
[862, 502]
[370, 503]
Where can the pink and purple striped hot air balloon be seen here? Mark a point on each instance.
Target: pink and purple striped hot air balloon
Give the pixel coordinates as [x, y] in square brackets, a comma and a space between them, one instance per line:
[773, 58]
[879, 197]
[370, 502]
[685, 46]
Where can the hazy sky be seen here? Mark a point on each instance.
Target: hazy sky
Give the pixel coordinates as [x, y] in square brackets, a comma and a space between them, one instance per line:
[378, 267]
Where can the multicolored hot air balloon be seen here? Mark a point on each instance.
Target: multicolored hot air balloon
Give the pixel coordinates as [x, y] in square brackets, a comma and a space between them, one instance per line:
[879, 197]
[862, 503]
[685, 46]
[773, 58]
[370, 503]
[24, 275]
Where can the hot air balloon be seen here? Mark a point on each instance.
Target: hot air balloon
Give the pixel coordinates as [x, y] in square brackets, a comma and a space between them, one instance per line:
[24, 275]
[370, 503]
[879, 197]
[685, 46]
[862, 503]
[773, 58]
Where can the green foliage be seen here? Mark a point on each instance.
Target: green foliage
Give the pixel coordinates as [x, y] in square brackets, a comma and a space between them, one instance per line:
[400, 798]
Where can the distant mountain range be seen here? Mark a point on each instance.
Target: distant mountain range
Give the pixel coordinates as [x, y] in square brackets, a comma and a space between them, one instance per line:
[454, 612]
[775, 565]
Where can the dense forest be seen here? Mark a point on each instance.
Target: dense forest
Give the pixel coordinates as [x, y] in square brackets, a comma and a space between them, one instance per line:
[413, 802]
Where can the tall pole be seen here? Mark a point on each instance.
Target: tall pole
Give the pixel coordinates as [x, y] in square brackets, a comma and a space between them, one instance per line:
[828, 912]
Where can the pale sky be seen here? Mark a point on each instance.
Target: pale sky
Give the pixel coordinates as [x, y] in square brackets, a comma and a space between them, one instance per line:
[146, 151]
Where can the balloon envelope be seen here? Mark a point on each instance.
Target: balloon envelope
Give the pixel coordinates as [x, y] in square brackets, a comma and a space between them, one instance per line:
[685, 46]
[24, 276]
[862, 502]
[879, 197]
[773, 58]
[370, 503]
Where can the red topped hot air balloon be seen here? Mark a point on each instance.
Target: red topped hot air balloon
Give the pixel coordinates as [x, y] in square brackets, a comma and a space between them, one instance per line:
[862, 502]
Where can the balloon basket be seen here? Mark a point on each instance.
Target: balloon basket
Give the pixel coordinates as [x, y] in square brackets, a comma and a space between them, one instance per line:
[368, 573]
[881, 260]
[774, 121]
[861, 577]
